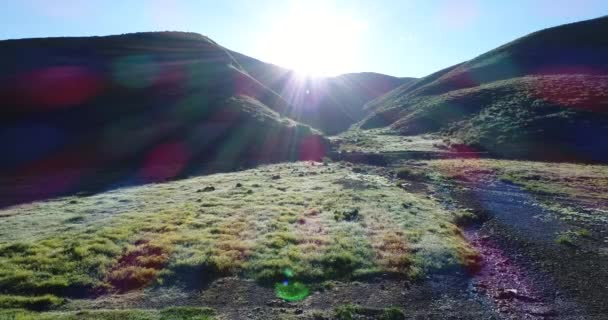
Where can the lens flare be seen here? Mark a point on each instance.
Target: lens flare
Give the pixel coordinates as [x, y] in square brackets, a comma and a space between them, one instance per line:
[291, 291]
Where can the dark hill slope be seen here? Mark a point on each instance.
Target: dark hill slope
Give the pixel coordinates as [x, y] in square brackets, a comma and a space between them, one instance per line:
[541, 96]
[147, 107]
[331, 104]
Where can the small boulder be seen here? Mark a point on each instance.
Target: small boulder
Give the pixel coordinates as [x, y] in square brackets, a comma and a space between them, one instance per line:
[539, 310]
[206, 189]
[506, 294]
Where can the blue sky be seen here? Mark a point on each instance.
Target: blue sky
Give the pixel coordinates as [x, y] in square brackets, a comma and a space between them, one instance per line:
[397, 37]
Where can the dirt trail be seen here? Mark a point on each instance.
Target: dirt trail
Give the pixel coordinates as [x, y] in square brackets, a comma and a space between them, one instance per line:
[525, 274]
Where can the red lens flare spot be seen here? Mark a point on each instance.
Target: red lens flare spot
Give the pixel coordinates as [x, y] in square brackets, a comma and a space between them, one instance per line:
[311, 148]
[579, 91]
[52, 175]
[170, 78]
[163, 162]
[58, 87]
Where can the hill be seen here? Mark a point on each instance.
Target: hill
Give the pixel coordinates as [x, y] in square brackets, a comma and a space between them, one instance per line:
[331, 104]
[118, 135]
[146, 106]
[540, 96]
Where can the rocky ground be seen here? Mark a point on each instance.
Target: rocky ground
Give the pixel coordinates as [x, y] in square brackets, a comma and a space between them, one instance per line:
[542, 255]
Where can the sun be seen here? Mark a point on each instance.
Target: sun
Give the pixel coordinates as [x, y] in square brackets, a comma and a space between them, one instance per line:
[315, 40]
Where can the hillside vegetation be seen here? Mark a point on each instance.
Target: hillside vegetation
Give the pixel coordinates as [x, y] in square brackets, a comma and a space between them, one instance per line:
[143, 107]
[161, 176]
[184, 234]
[541, 96]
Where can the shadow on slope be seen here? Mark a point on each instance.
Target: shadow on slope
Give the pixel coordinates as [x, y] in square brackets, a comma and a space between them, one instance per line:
[85, 114]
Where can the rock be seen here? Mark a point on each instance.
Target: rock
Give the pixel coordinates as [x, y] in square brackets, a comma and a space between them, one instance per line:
[506, 294]
[238, 185]
[538, 310]
[502, 263]
[276, 303]
[525, 298]
[206, 189]
[299, 311]
[503, 309]
[318, 316]
[275, 177]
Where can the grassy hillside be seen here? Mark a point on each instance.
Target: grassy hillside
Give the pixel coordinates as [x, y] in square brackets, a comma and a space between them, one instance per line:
[541, 96]
[344, 224]
[330, 104]
[146, 107]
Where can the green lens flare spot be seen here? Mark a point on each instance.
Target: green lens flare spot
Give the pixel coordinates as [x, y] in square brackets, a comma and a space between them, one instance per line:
[291, 291]
[288, 273]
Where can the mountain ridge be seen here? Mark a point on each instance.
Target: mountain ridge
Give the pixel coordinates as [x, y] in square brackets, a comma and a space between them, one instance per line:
[557, 73]
[331, 104]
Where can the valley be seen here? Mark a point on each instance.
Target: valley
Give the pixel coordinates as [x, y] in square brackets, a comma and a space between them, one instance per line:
[159, 175]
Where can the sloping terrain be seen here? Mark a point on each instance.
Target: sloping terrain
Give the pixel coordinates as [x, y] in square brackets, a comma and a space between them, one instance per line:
[349, 241]
[541, 96]
[544, 230]
[143, 107]
[331, 104]
[111, 206]
[325, 223]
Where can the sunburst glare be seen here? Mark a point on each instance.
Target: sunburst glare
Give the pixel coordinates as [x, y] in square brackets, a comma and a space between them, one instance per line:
[315, 39]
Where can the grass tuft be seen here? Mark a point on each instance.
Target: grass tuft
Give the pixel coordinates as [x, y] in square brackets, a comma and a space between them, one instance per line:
[346, 312]
[392, 314]
[186, 313]
[347, 215]
[33, 303]
[564, 239]
[172, 313]
[405, 173]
